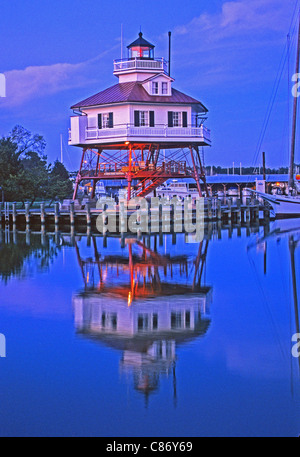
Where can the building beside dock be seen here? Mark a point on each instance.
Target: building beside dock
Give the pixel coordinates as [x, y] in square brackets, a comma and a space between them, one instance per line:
[141, 129]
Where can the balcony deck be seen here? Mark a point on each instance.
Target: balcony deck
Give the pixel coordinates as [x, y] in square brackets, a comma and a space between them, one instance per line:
[155, 65]
[80, 135]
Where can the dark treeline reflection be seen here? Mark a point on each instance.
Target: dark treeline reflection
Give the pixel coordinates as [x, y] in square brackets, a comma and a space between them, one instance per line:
[20, 255]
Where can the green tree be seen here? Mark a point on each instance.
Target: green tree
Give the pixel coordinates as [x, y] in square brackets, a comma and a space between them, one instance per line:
[34, 179]
[24, 173]
[27, 142]
[10, 168]
[60, 185]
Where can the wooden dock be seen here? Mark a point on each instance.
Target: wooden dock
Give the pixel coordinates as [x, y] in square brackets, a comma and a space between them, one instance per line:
[214, 210]
[69, 237]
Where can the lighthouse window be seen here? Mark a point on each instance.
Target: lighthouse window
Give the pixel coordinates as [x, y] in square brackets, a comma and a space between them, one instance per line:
[143, 322]
[135, 52]
[144, 118]
[176, 119]
[176, 320]
[141, 52]
[187, 319]
[105, 121]
[164, 88]
[154, 88]
[146, 52]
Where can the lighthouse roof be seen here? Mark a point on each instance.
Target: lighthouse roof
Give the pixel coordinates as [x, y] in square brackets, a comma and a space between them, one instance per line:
[134, 92]
[140, 41]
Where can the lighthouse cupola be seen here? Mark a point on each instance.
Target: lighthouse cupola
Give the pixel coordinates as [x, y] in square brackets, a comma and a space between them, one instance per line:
[140, 63]
[141, 49]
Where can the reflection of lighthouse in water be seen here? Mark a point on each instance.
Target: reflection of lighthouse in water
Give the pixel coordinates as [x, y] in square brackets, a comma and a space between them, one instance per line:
[146, 324]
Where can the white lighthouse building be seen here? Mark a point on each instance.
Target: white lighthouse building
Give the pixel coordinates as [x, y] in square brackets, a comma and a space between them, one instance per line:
[140, 115]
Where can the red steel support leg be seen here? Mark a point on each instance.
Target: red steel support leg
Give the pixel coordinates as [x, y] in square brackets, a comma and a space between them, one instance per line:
[156, 156]
[129, 177]
[95, 180]
[196, 172]
[78, 178]
[202, 171]
[94, 188]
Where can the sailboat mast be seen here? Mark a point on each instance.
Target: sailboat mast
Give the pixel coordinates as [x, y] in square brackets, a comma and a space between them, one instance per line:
[292, 246]
[293, 142]
[61, 149]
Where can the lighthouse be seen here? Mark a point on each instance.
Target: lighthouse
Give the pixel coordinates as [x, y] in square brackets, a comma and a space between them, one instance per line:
[141, 129]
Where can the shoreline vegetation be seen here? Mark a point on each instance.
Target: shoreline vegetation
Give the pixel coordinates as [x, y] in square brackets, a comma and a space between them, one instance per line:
[26, 175]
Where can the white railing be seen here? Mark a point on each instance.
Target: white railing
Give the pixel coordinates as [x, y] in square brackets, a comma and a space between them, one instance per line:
[94, 133]
[140, 64]
[164, 131]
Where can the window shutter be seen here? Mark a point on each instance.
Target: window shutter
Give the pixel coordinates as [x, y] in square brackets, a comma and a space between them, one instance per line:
[99, 121]
[110, 120]
[184, 119]
[151, 118]
[136, 118]
[170, 118]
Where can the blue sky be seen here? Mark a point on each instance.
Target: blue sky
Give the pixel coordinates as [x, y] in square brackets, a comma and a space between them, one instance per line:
[225, 53]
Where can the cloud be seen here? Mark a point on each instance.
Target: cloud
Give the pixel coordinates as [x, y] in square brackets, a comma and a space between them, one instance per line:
[38, 81]
[235, 17]
[225, 46]
[34, 81]
[240, 43]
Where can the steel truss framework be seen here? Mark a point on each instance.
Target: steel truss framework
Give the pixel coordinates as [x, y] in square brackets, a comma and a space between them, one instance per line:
[141, 272]
[148, 164]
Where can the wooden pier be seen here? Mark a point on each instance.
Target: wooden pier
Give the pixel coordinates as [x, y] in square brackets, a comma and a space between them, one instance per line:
[68, 237]
[214, 210]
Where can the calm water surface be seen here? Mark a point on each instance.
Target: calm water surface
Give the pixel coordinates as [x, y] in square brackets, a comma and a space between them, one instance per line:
[156, 337]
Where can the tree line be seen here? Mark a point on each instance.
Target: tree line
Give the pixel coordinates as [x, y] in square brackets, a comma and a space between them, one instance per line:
[25, 174]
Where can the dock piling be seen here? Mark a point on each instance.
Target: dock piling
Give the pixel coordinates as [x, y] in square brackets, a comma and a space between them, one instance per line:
[14, 213]
[72, 213]
[27, 213]
[43, 216]
[56, 213]
[88, 213]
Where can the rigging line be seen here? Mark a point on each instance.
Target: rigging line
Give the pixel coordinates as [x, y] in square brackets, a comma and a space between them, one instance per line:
[267, 308]
[285, 132]
[274, 90]
[288, 88]
[270, 107]
[294, 15]
[68, 154]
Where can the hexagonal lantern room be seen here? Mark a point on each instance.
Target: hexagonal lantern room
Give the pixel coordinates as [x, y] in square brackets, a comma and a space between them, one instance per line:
[141, 129]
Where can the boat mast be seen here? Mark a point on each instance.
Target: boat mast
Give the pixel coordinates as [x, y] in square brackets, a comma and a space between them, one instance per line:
[293, 143]
[292, 246]
[61, 149]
